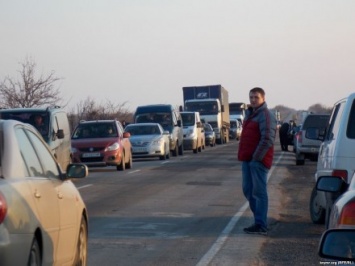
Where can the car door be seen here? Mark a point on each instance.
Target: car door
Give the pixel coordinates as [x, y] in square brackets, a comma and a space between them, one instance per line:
[65, 196]
[43, 191]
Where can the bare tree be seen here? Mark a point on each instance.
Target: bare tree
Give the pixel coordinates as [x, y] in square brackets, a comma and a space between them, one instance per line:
[29, 91]
[320, 109]
[88, 109]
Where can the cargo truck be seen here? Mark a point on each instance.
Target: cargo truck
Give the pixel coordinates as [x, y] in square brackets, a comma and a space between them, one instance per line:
[212, 103]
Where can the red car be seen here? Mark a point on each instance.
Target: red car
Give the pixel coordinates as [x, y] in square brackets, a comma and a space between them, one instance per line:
[102, 143]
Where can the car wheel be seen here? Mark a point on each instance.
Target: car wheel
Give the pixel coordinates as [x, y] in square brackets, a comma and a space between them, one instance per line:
[122, 165]
[317, 212]
[300, 162]
[176, 150]
[81, 249]
[199, 149]
[181, 150]
[130, 162]
[35, 254]
[163, 157]
[168, 152]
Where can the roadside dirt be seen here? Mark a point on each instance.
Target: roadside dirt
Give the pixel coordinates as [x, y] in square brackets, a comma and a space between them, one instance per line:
[293, 238]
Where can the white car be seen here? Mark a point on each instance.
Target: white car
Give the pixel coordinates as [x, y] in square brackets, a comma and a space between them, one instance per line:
[43, 219]
[149, 140]
[336, 155]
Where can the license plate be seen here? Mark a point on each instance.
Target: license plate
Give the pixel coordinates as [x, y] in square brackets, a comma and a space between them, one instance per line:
[91, 154]
[139, 149]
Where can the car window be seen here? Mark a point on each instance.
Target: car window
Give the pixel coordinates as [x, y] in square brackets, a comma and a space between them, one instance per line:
[28, 153]
[333, 128]
[48, 162]
[319, 121]
[95, 130]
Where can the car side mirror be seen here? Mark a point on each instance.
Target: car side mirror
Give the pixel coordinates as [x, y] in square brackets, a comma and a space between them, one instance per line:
[126, 135]
[337, 244]
[77, 170]
[332, 184]
[321, 135]
[60, 134]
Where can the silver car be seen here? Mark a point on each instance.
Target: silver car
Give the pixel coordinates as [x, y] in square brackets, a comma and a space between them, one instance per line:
[43, 219]
[307, 147]
[149, 140]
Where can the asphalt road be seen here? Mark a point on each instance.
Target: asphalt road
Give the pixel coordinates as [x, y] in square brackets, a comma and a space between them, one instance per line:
[190, 210]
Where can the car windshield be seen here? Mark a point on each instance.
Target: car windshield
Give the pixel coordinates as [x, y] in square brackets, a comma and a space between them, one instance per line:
[95, 130]
[37, 119]
[188, 119]
[143, 130]
[164, 119]
[319, 121]
[208, 128]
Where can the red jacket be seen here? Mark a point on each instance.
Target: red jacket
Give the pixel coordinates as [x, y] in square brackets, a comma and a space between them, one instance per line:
[258, 136]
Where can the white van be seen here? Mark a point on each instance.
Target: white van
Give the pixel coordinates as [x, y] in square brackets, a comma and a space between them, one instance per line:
[336, 155]
[194, 136]
[55, 129]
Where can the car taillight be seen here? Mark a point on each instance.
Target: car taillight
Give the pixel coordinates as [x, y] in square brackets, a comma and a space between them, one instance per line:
[299, 136]
[341, 173]
[347, 215]
[3, 208]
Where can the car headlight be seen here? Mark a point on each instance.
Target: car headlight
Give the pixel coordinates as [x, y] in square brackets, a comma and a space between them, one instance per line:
[73, 150]
[190, 133]
[157, 142]
[113, 147]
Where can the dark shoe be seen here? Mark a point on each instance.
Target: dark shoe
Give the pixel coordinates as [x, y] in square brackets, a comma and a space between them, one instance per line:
[255, 229]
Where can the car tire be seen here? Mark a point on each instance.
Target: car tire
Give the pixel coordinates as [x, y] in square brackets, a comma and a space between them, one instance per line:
[129, 165]
[199, 149]
[175, 152]
[300, 162]
[181, 150]
[317, 213]
[35, 253]
[122, 165]
[300, 159]
[163, 157]
[168, 153]
[82, 245]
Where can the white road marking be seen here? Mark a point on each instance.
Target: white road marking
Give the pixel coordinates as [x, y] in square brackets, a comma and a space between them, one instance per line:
[222, 238]
[89, 185]
[135, 171]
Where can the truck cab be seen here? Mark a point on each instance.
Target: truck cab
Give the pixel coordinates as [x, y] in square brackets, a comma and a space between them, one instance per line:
[212, 104]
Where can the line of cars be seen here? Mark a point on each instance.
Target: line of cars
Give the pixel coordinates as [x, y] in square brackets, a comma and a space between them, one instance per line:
[333, 198]
[43, 219]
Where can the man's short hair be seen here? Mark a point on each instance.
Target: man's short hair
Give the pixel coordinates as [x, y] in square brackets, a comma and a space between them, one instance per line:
[257, 90]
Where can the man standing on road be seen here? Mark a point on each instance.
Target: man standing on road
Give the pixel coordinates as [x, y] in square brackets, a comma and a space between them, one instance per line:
[256, 151]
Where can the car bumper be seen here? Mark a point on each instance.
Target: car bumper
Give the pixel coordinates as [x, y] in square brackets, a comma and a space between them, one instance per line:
[14, 248]
[308, 149]
[149, 151]
[108, 158]
[190, 144]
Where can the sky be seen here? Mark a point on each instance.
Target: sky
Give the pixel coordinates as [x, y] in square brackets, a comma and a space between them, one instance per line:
[138, 52]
